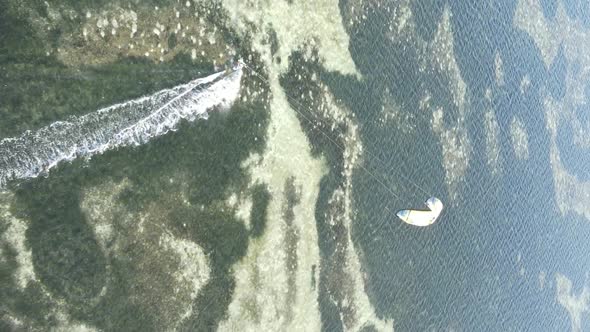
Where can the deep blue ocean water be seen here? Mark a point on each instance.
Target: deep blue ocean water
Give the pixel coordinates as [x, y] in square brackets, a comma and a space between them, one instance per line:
[479, 267]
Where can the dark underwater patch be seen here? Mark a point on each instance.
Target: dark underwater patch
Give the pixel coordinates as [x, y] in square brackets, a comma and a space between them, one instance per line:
[258, 213]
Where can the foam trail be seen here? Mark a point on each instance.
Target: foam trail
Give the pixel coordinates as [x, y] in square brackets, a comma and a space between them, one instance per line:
[130, 123]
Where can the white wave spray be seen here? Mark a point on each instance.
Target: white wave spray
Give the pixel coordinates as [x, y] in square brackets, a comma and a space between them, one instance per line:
[130, 123]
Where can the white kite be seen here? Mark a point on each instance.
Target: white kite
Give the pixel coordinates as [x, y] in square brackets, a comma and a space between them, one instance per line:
[422, 217]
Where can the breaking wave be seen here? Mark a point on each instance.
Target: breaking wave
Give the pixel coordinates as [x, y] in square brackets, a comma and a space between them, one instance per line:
[130, 123]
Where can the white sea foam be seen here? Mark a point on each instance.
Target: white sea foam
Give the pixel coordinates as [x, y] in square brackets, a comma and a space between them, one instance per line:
[130, 123]
[520, 139]
[576, 305]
